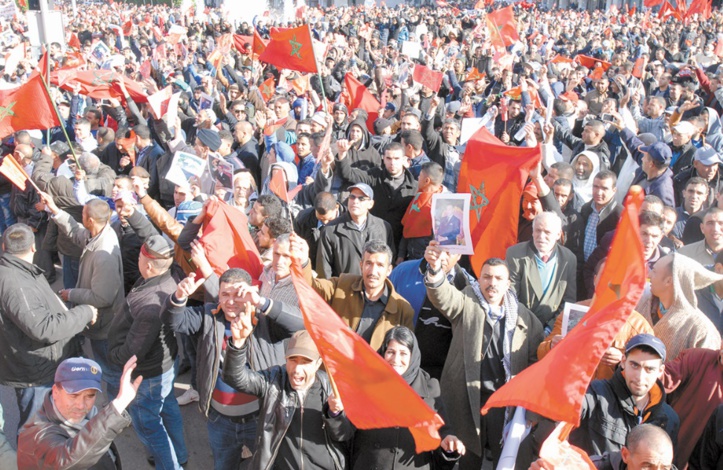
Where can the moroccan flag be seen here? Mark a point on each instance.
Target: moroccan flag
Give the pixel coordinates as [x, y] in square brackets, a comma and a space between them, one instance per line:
[568, 368]
[26, 107]
[701, 7]
[561, 59]
[291, 49]
[73, 41]
[12, 170]
[99, 84]
[639, 67]
[417, 220]
[127, 28]
[427, 77]
[259, 44]
[652, 3]
[239, 41]
[73, 60]
[278, 184]
[590, 62]
[159, 100]
[474, 75]
[667, 10]
[374, 395]
[227, 240]
[362, 98]
[515, 93]
[632, 11]
[495, 174]
[267, 89]
[502, 27]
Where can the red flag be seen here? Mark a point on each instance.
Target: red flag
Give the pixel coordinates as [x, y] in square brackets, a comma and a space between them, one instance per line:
[560, 454]
[259, 44]
[667, 10]
[652, 3]
[502, 27]
[26, 107]
[267, 89]
[362, 98]
[73, 60]
[701, 7]
[42, 67]
[561, 59]
[374, 395]
[495, 175]
[278, 184]
[474, 75]
[568, 368]
[590, 62]
[145, 69]
[291, 49]
[159, 100]
[427, 77]
[12, 170]
[632, 11]
[74, 42]
[417, 220]
[224, 224]
[99, 83]
[240, 41]
[639, 67]
[127, 28]
[516, 94]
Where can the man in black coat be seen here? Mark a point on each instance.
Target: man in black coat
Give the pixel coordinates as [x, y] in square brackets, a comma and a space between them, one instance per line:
[309, 223]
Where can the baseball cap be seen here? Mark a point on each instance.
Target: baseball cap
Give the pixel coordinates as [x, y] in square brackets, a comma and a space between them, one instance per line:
[452, 107]
[659, 152]
[365, 188]
[707, 155]
[187, 210]
[381, 124]
[390, 107]
[157, 247]
[645, 339]
[60, 148]
[647, 138]
[77, 374]
[302, 345]
[685, 127]
[570, 96]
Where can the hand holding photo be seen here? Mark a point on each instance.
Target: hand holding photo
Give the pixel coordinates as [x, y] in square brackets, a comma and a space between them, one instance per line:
[450, 222]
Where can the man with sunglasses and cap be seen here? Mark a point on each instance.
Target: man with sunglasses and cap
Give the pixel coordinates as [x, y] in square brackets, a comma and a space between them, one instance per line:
[68, 431]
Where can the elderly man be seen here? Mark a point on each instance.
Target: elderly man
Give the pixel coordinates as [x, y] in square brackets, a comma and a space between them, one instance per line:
[97, 177]
[672, 307]
[100, 275]
[37, 331]
[543, 272]
[68, 431]
[494, 338]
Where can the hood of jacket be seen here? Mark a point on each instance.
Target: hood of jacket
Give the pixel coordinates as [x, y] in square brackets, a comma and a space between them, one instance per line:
[366, 137]
[689, 276]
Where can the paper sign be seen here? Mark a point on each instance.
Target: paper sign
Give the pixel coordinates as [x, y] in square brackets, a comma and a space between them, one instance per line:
[185, 166]
[469, 127]
[411, 49]
[571, 315]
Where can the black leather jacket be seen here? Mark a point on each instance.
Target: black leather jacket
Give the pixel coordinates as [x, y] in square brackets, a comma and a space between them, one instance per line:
[319, 442]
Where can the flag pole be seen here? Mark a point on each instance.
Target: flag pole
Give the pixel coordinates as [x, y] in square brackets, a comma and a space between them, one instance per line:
[60, 120]
[318, 71]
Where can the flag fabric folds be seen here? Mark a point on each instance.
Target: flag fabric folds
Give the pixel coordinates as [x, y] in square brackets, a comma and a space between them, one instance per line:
[159, 100]
[502, 27]
[701, 7]
[291, 49]
[374, 395]
[227, 241]
[361, 97]
[12, 170]
[495, 174]
[98, 83]
[26, 107]
[417, 220]
[568, 368]
[427, 77]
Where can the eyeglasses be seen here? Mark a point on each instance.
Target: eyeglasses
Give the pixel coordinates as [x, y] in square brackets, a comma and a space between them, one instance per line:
[354, 197]
[237, 111]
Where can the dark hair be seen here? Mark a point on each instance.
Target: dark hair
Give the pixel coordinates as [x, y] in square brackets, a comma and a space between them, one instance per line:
[377, 246]
[651, 218]
[234, 275]
[563, 167]
[394, 146]
[226, 136]
[496, 262]
[607, 175]
[697, 181]
[400, 334]
[271, 204]
[106, 134]
[95, 111]
[563, 182]
[324, 202]
[18, 239]
[278, 225]
[413, 137]
[653, 199]
[142, 131]
[434, 171]
[317, 138]
[98, 210]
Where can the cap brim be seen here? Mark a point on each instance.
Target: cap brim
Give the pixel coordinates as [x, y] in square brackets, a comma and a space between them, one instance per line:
[76, 386]
[303, 352]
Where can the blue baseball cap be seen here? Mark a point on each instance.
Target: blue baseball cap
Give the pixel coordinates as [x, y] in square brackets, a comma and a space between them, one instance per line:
[365, 188]
[77, 374]
[648, 340]
[659, 151]
[188, 210]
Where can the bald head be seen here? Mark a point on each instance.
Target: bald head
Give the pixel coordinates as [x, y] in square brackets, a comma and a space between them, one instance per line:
[23, 153]
[243, 132]
[648, 446]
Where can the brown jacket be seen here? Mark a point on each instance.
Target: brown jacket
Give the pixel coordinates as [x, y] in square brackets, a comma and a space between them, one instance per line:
[345, 295]
[171, 227]
[634, 325]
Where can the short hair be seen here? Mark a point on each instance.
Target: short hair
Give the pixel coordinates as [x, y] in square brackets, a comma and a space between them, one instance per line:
[304, 135]
[317, 138]
[161, 264]
[653, 199]
[377, 246]
[496, 262]
[98, 210]
[94, 111]
[82, 122]
[324, 202]
[142, 131]
[127, 180]
[563, 182]
[235, 275]
[226, 136]
[696, 181]
[106, 134]
[394, 147]
[454, 122]
[89, 162]
[548, 216]
[278, 225]
[597, 126]
[271, 205]
[651, 218]
[563, 167]
[647, 433]
[607, 175]
[413, 137]
[658, 99]
[18, 239]
[713, 210]
[283, 238]
[434, 171]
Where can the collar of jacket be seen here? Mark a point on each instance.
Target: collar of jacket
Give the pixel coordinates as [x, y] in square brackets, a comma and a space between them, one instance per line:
[14, 261]
[93, 242]
[153, 281]
[392, 307]
[657, 395]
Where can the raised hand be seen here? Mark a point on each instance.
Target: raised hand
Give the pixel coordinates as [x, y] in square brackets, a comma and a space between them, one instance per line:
[242, 326]
[128, 388]
[188, 286]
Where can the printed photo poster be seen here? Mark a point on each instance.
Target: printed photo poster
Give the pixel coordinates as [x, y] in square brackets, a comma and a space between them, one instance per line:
[206, 101]
[450, 222]
[99, 52]
[184, 167]
[571, 316]
[221, 172]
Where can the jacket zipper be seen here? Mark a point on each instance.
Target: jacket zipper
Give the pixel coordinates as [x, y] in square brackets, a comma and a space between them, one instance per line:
[301, 442]
[218, 364]
[276, 451]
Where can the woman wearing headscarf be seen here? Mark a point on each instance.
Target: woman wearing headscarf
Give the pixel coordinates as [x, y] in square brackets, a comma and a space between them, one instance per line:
[61, 189]
[393, 448]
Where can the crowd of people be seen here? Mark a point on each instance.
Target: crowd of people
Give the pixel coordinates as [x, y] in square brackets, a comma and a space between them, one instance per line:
[612, 99]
